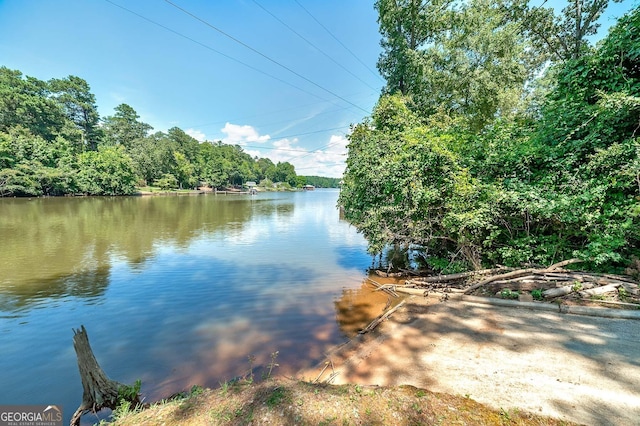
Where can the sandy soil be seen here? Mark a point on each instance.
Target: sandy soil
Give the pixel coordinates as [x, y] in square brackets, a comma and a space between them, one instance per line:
[578, 368]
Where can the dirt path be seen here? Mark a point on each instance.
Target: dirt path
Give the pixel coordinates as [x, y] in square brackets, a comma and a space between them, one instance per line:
[578, 368]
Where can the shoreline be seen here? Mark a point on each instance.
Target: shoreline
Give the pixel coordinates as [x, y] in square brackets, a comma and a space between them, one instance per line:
[445, 360]
[557, 364]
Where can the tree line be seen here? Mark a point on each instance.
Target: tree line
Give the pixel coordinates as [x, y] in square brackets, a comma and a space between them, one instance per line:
[322, 182]
[54, 142]
[502, 136]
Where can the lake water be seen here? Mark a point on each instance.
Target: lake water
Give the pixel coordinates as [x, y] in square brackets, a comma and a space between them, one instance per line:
[173, 290]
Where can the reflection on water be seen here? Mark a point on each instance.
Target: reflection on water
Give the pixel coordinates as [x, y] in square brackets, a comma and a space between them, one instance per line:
[358, 306]
[174, 291]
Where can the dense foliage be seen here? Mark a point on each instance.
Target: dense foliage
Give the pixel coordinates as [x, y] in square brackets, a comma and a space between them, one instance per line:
[53, 142]
[554, 176]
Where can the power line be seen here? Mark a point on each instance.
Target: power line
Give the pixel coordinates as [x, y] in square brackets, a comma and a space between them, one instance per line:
[263, 55]
[338, 40]
[313, 45]
[325, 165]
[214, 50]
[313, 151]
[274, 148]
[279, 111]
[296, 135]
[301, 150]
[269, 113]
[313, 132]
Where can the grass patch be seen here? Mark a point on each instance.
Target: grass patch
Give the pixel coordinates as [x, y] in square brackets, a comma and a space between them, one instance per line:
[288, 401]
[276, 397]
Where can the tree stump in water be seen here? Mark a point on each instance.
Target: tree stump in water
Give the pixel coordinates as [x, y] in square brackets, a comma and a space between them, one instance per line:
[98, 390]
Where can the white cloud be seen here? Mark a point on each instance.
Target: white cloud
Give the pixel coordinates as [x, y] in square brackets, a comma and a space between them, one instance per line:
[287, 148]
[196, 134]
[241, 135]
[328, 161]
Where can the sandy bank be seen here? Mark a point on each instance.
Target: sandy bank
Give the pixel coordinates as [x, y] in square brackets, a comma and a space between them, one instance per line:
[578, 368]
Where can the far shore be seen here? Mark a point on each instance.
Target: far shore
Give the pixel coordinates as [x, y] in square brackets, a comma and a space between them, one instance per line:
[202, 191]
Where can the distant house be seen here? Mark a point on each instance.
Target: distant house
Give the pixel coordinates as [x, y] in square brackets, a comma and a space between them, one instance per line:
[252, 187]
[308, 187]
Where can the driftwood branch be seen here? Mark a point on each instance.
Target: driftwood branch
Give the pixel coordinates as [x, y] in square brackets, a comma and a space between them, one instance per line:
[563, 264]
[508, 275]
[381, 318]
[382, 287]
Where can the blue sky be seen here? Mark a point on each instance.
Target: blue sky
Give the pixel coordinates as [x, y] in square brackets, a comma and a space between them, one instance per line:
[300, 72]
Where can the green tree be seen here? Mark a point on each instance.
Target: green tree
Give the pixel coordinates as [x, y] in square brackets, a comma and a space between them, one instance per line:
[33, 166]
[237, 164]
[407, 26]
[264, 167]
[322, 182]
[559, 36]
[210, 165]
[153, 156]
[285, 172]
[301, 181]
[79, 105]
[19, 181]
[26, 102]
[517, 190]
[470, 63]
[166, 182]
[185, 144]
[108, 171]
[403, 180]
[123, 127]
[184, 171]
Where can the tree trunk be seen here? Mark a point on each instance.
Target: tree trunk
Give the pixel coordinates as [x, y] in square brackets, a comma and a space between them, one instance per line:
[98, 390]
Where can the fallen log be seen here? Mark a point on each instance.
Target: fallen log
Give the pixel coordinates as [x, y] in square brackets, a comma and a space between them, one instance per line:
[520, 273]
[523, 278]
[563, 291]
[432, 285]
[388, 274]
[556, 276]
[98, 390]
[631, 288]
[599, 290]
[520, 285]
[410, 290]
[625, 278]
[601, 280]
[458, 276]
[584, 277]
[409, 272]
